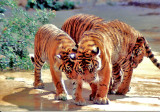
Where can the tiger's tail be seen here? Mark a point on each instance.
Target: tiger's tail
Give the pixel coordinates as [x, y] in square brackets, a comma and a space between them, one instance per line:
[32, 59]
[150, 55]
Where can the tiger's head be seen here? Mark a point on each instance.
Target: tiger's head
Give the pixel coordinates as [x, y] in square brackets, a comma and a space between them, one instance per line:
[87, 63]
[138, 52]
[66, 61]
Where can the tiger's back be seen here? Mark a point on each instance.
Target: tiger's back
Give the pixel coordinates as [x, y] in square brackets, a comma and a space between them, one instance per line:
[48, 38]
[76, 25]
[119, 35]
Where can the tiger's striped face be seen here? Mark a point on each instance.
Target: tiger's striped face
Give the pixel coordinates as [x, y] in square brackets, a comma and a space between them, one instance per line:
[66, 61]
[87, 64]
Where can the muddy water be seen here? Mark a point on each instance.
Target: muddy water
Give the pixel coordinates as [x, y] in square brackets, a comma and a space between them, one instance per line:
[16, 88]
[17, 93]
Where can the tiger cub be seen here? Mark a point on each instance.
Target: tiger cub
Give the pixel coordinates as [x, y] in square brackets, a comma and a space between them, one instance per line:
[106, 48]
[57, 48]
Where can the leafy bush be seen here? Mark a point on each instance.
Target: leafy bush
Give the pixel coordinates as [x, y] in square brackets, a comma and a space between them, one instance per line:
[17, 35]
[2, 9]
[50, 4]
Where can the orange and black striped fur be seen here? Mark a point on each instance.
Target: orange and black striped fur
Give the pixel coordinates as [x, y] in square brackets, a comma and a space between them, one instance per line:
[55, 47]
[76, 25]
[104, 49]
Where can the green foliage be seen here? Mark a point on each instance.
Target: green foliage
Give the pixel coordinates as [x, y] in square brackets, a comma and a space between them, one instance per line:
[17, 35]
[50, 4]
[2, 10]
[57, 6]
[68, 4]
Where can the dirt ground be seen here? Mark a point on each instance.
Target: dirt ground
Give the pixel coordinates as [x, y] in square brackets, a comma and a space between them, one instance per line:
[17, 93]
[16, 88]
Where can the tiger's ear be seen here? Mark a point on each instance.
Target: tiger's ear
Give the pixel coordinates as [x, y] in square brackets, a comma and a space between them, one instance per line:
[75, 49]
[96, 51]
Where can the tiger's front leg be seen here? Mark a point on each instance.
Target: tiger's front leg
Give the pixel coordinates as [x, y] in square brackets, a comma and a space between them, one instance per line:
[103, 85]
[77, 92]
[57, 79]
[124, 86]
[93, 86]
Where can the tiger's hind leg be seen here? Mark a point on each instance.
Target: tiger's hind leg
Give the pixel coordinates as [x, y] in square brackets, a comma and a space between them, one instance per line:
[125, 85]
[38, 63]
[117, 78]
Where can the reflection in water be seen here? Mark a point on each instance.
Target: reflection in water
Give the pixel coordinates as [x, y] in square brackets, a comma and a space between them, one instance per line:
[35, 101]
[43, 100]
[40, 100]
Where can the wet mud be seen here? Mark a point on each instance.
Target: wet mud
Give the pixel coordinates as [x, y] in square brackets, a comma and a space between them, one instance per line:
[17, 93]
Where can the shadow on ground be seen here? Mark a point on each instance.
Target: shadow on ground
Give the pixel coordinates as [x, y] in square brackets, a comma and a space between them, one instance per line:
[35, 99]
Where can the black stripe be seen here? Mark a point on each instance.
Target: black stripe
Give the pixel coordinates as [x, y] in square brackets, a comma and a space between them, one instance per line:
[74, 88]
[151, 56]
[38, 69]
[154, 61]
[74, 83]
[38, 57]
[116, 73]
[37, 65]
[41, 60]
[90, 83]
[149, 51]
[158, 64]
[118, 77]
[57, 84]
[147, 47]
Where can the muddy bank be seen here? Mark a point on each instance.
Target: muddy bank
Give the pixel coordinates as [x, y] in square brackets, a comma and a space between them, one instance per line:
[17, 93]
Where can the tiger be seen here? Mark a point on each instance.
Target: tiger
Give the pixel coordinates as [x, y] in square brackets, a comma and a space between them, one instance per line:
[105, 48]
[84, 22]
[76, 25]
[57, 48]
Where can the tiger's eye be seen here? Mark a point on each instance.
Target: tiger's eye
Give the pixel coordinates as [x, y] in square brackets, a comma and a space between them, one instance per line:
[73, 56]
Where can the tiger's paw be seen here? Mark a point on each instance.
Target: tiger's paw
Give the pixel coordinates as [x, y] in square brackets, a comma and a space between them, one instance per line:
[38, 85]
[99, 100]
[61, 96]
[122, 91]
[91, 97]
[80, 101]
